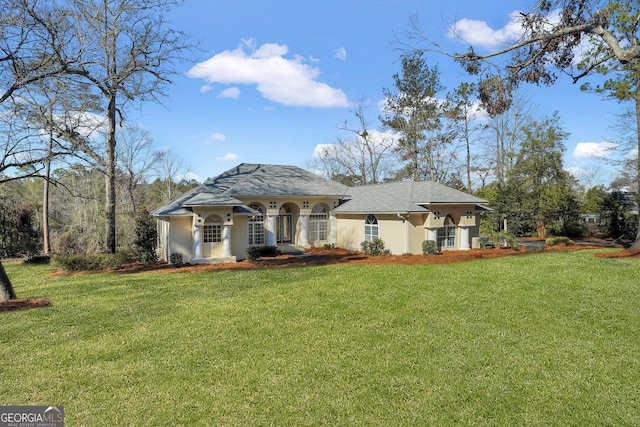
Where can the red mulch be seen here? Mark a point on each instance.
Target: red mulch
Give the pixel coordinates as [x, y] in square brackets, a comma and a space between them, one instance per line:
[319, 256]
[21, 304]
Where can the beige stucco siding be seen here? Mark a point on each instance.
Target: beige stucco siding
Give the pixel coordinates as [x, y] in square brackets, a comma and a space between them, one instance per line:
[399, 236]
[240, 237]
[417, 233]
[180, 240]
[394, 232]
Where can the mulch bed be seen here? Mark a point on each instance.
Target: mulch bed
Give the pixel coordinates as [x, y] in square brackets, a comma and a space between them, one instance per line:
[318, 256]
[21, 304]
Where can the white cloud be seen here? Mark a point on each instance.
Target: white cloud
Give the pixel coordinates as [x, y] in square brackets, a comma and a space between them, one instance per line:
[227, 157]
[206, 88]
[479, 33]
[190, 176]
[594, 150]
[288, 81]
[340, 53]
[232, 92]
[215, 137]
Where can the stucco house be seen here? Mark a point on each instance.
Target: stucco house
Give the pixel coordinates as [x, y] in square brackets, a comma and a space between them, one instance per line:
[289, 207]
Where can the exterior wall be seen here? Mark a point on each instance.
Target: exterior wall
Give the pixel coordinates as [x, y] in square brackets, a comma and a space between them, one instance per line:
[176, 234]
[393, 231]
[240, 237]
[400, 236]
[406, 235]
[180, 240]
[463, 215]
[300, 209]
[350, 231]
[417, 233]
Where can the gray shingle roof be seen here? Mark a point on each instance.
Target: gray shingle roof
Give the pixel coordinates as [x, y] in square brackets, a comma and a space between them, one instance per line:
[403, 197]
[253, 180]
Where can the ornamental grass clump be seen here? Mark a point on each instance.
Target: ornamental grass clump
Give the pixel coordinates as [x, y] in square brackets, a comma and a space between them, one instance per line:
[559, 240]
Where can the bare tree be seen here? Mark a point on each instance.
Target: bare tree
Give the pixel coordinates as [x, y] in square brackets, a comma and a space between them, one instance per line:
[137, 158]
[172, 171]
[363, 158]
[124, 51]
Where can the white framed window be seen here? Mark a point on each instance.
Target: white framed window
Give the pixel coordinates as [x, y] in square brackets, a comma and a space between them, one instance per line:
[256, 226]
[318, 223]
[212, 230]
[370, 228]
[447, 234]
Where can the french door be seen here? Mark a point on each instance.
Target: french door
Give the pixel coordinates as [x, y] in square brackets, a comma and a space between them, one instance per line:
[285, 228]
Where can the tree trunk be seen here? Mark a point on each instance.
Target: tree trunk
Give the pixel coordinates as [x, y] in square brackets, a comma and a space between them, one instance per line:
[636, 243]
[45, 200]
[110, 172]
[6, 289]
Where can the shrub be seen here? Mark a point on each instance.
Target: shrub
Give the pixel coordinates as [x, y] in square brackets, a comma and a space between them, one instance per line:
[559, 240]
[430, 247]
[329, 246]
[255, 252]
[37, 259]
[88, 262]
[374, 247]
[175, 259]
[146, 237]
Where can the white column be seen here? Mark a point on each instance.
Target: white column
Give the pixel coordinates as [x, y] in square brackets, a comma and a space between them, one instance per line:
[464, 239]
[432, 234]
[270, 232]
[197, 242]
[304, 230]
[226, 241]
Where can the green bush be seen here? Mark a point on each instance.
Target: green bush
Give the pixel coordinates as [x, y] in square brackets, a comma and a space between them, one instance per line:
[146, 237]
[374, 247]
[38, 259]
[176, 260]
[255, 252]
[329, 246]
[88, 262]
[559, 240]
[430, 247]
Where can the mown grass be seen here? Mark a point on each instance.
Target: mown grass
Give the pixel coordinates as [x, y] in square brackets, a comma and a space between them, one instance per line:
[545, 339]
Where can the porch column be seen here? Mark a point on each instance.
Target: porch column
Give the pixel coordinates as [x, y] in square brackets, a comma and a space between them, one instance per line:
[304, 230]
[270, 232]
[197, 241]
[432, 234]
[226, 241]
[464, 238]
[332, 230]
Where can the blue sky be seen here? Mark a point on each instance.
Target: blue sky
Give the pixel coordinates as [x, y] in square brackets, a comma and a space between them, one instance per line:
[274, 79]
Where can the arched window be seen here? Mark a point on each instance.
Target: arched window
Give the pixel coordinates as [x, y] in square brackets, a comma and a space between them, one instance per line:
[318, 223]
[256, 225]
[447, 234]
[370, 228]
[212, 230]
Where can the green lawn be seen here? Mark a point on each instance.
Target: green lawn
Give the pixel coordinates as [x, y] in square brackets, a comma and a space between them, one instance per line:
[545, 339]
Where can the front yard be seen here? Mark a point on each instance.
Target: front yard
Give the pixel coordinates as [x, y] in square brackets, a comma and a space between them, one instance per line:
[544, 339]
